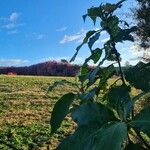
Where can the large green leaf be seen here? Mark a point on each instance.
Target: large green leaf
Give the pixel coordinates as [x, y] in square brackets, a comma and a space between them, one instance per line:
[118, 97]
[92, 112]
[109, 137]
[139, 76]
[76, 141]
[60, 111]
[141, 121]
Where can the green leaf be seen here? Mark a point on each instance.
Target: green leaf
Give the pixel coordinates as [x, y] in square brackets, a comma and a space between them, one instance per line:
[92, 112]
[110, 137]
[96, 54]
[77, 139]
[141, 121]
[93, 39]
[138, 76]
[60, 110]
[118, 98]
[84, 69]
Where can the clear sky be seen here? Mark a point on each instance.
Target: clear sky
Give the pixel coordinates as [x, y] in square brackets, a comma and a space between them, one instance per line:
[32, 31]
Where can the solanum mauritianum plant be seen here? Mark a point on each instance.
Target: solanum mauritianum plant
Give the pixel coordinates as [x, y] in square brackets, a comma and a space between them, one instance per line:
[104, 113]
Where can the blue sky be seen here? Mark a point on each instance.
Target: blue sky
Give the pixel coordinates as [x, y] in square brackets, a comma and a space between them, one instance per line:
[33, 31]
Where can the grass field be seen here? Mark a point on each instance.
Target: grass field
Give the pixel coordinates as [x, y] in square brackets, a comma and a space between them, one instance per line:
[25, 110]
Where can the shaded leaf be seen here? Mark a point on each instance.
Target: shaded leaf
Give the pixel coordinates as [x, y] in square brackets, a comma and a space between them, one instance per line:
[142, 121]
[93, 39]
[118, 97]
[60, 111]
[109, 137]
[92, 112]
[77, 139]
[139, 76]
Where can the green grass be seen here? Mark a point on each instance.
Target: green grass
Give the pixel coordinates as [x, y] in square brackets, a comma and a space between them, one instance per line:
[25, 111]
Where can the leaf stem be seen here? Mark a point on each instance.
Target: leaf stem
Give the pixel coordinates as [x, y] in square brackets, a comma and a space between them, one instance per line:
[118, 61]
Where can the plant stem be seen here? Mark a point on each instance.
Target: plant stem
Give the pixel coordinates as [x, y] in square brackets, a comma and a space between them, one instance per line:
[118, 61]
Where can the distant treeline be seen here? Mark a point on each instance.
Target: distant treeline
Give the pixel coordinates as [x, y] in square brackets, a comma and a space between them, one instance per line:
[49, 68]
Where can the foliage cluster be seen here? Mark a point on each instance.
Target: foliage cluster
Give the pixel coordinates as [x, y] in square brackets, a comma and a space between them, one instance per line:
[104, 113]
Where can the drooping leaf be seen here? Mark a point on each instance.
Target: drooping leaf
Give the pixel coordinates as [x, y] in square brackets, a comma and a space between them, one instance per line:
[77, 139]
[84, 17]
[109, 137]
[93, 39]
[141, 121]
[139, 76]
[118, 97]
[92, 112]
[88, 35]
[76, 53]
[60, 110]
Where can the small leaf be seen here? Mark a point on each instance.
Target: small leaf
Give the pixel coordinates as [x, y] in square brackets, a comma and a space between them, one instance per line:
[60, 111]
[142, 121]
[92, 112]
[110, 137]
[96, 54]
[84, 17]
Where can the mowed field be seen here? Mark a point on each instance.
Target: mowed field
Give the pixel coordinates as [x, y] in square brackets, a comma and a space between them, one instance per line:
[25, 111]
